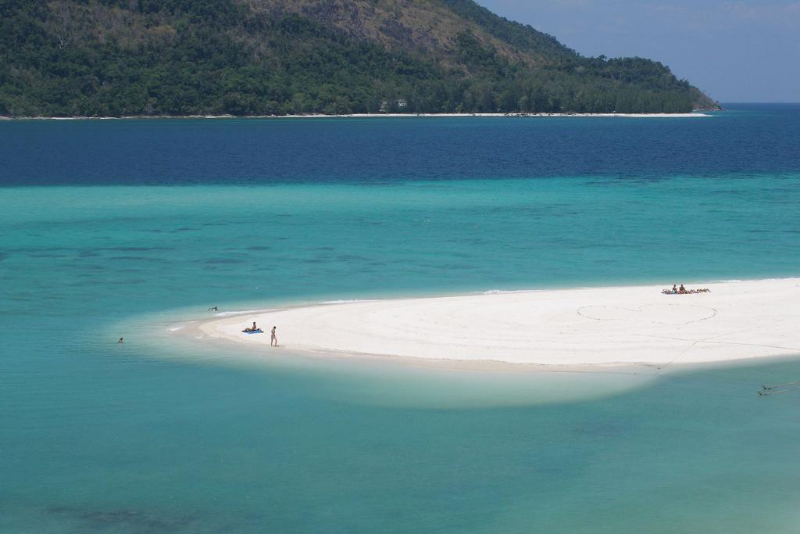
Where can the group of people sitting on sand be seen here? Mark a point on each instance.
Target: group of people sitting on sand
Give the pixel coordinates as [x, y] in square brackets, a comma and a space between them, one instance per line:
[683, 291]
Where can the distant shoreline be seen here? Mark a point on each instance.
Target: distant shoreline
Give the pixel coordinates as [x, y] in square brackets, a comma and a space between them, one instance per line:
[374, 116]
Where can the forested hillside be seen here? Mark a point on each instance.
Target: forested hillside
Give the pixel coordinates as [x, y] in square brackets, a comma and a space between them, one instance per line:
[266, 57]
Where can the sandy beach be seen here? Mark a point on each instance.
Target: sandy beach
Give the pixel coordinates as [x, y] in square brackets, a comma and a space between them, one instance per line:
[595, 326]
[378, 116]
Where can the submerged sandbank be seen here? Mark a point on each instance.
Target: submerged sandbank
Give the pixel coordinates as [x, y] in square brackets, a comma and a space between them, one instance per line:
[575, 327]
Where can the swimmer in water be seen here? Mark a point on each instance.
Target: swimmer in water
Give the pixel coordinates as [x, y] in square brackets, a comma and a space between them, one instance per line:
[120, 340]
[213, 308]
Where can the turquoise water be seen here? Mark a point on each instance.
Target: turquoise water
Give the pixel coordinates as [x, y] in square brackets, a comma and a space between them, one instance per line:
[161, 435]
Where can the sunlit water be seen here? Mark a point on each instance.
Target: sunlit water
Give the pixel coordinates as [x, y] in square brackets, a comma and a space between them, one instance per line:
[100, 237]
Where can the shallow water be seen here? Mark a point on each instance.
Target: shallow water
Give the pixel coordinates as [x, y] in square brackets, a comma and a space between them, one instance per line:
[159, 435]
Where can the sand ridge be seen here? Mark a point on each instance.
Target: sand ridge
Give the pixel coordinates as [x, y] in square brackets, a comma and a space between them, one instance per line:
[593, 326]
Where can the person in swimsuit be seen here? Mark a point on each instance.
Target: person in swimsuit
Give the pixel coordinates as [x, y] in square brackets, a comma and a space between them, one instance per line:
[682, 290]
[273, 342]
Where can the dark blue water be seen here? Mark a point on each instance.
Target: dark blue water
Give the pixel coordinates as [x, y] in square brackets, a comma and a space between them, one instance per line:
[746, 139]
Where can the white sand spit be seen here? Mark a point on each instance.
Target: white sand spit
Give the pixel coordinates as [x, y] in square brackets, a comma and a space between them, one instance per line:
[599, 326]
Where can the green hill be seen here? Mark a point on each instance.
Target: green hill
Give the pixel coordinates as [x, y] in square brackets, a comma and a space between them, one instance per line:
[264, 57]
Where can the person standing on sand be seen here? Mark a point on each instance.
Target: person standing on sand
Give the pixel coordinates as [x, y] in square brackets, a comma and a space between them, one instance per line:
[273, 342]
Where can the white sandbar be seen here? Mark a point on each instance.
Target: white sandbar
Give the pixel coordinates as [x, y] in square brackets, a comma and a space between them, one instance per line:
[599, 326]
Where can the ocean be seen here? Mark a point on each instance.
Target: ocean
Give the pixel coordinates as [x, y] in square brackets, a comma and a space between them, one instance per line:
[126, 228]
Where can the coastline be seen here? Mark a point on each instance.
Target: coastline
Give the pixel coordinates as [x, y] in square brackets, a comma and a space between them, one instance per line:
[695, 114]
[579, 329]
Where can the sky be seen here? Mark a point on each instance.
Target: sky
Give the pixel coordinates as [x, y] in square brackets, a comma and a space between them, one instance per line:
[735, 51]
